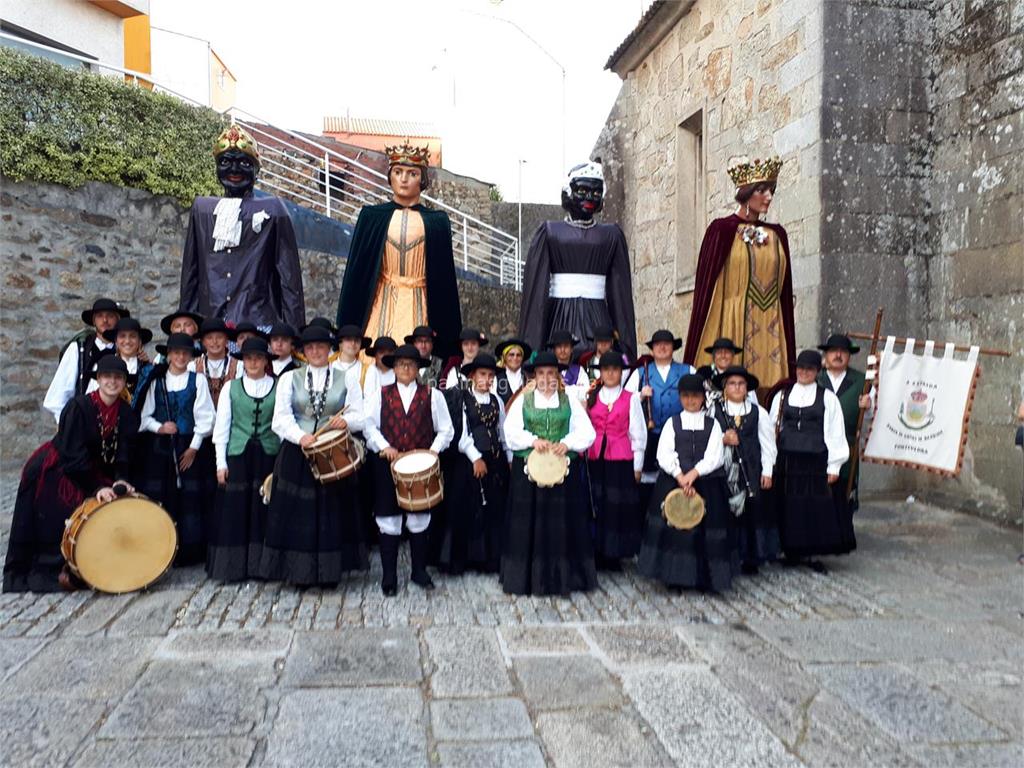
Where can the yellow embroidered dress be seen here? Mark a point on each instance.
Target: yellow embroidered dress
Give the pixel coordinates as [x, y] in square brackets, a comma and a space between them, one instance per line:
[400, 298]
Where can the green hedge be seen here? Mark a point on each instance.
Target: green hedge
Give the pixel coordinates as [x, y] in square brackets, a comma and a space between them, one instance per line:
[70, 126]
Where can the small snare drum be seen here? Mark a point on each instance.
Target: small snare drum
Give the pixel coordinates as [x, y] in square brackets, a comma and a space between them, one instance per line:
[418, 483]
[333, 455]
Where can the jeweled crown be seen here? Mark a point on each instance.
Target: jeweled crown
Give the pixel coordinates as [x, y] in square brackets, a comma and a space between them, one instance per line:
[406, 154]
[236, 137]
[746, 172]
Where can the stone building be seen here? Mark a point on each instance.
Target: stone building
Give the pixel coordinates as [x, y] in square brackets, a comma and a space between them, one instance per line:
[900, 124]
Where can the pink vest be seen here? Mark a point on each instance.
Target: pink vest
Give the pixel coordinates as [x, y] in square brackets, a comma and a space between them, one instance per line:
[612, 429]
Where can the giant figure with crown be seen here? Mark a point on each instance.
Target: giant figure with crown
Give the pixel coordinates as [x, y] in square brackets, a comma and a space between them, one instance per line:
[744, 283]
[241, 260]
[401, 272]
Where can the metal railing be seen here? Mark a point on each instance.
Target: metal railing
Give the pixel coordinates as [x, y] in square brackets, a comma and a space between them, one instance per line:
[328, 181]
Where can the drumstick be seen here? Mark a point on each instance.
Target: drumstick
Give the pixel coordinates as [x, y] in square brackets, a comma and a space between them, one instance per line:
[483, 496]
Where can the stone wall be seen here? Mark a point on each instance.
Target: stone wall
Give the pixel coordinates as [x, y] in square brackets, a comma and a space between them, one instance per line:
[901, 125]
[60, 248]
[976, 196]
[754, 68]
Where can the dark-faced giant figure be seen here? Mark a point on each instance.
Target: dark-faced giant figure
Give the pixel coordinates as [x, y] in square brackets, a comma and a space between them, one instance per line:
[578, 277]
[401, 271]
[241, 261]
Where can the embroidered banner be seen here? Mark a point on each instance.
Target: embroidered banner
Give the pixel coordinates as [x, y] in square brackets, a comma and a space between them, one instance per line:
[923, 408]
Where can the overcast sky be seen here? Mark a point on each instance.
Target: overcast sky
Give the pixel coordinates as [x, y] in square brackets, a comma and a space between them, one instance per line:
[495, 95]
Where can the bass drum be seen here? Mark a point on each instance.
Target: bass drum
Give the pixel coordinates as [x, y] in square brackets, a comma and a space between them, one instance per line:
[119, 546]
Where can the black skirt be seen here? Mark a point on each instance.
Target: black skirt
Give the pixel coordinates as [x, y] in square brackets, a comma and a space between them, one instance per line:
[810, 520]
[313, 531]
[547, 548]
[189, 506]
[704, 557]
[474, 520]
[238, 522]
[46, 498]
[759, 530]
[618, 518]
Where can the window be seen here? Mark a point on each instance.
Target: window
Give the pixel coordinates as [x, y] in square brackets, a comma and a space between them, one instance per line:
[691, 205]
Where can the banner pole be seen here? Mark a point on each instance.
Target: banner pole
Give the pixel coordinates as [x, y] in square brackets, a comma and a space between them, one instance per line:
[855, 456]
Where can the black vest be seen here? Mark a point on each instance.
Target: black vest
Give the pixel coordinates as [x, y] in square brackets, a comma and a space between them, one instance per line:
[803, 429]
[88, 354]
[482, 423]
[691, 444]
[750, 446]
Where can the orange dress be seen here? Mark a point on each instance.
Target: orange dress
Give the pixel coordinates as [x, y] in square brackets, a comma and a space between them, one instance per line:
[400, 298]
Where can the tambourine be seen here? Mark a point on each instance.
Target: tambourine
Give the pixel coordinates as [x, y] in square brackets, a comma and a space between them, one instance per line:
[681, 511]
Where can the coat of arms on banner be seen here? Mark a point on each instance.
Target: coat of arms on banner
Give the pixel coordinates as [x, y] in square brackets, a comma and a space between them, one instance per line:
[923, 408]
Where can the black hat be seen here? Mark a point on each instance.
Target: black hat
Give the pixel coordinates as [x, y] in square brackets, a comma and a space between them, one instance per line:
[129, 324]
[809, 358]
[354, 332]
[561, 337]
[246, 327]
[472, 334]
[215, 325]
[664, 335]
[383, 344]
[604, 333]
[405, 352]
[544, 359]
[611, 359]
[723, 343]
[691, 383]
[499, 351]
[254, 345]
[165, 323]
[177, 341]
[483, 360]
[322, 322]
[104, 305]
[839, 341]
[280, 329]
[110, 363]
[312, 334]
[736, 370]
[421, 331]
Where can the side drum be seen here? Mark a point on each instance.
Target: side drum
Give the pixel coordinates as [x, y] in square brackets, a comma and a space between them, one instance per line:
[418, 483]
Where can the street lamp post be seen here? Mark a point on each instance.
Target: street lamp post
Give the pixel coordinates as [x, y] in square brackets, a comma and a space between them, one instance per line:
[519, 247]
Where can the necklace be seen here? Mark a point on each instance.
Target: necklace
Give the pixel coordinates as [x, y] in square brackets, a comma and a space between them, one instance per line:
[108, 440]
[318, 398]
[583, 224]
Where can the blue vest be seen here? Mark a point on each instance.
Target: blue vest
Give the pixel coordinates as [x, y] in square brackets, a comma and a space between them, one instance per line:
[181, 403]
[665, 402]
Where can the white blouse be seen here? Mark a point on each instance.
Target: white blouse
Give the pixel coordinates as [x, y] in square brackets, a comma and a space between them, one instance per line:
[802, 396]
[765, 432]
[581, 432]
[62, 388]
[255, 388]
[466, 445]
[203, 412]
[284, 424]
[637, 423]
[444, 431]
[668, 459]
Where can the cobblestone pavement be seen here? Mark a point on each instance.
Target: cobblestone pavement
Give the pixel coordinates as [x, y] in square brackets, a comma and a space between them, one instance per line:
[907, 653]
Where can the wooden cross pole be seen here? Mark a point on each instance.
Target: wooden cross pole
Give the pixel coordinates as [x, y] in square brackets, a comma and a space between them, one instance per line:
[868, 381]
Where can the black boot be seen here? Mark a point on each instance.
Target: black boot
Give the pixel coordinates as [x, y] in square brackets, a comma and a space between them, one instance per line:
[418, 543]
[389, 564]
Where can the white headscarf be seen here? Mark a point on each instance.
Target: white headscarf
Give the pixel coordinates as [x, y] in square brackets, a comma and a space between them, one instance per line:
[587, 170]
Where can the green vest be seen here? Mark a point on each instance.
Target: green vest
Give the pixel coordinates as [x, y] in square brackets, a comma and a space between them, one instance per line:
[551, 424]
[302, 405]
[251, 419]
[852, 387]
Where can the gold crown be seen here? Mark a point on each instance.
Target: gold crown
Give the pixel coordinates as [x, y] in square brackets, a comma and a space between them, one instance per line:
[406, 154]
[236, 137]
[746, 172]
